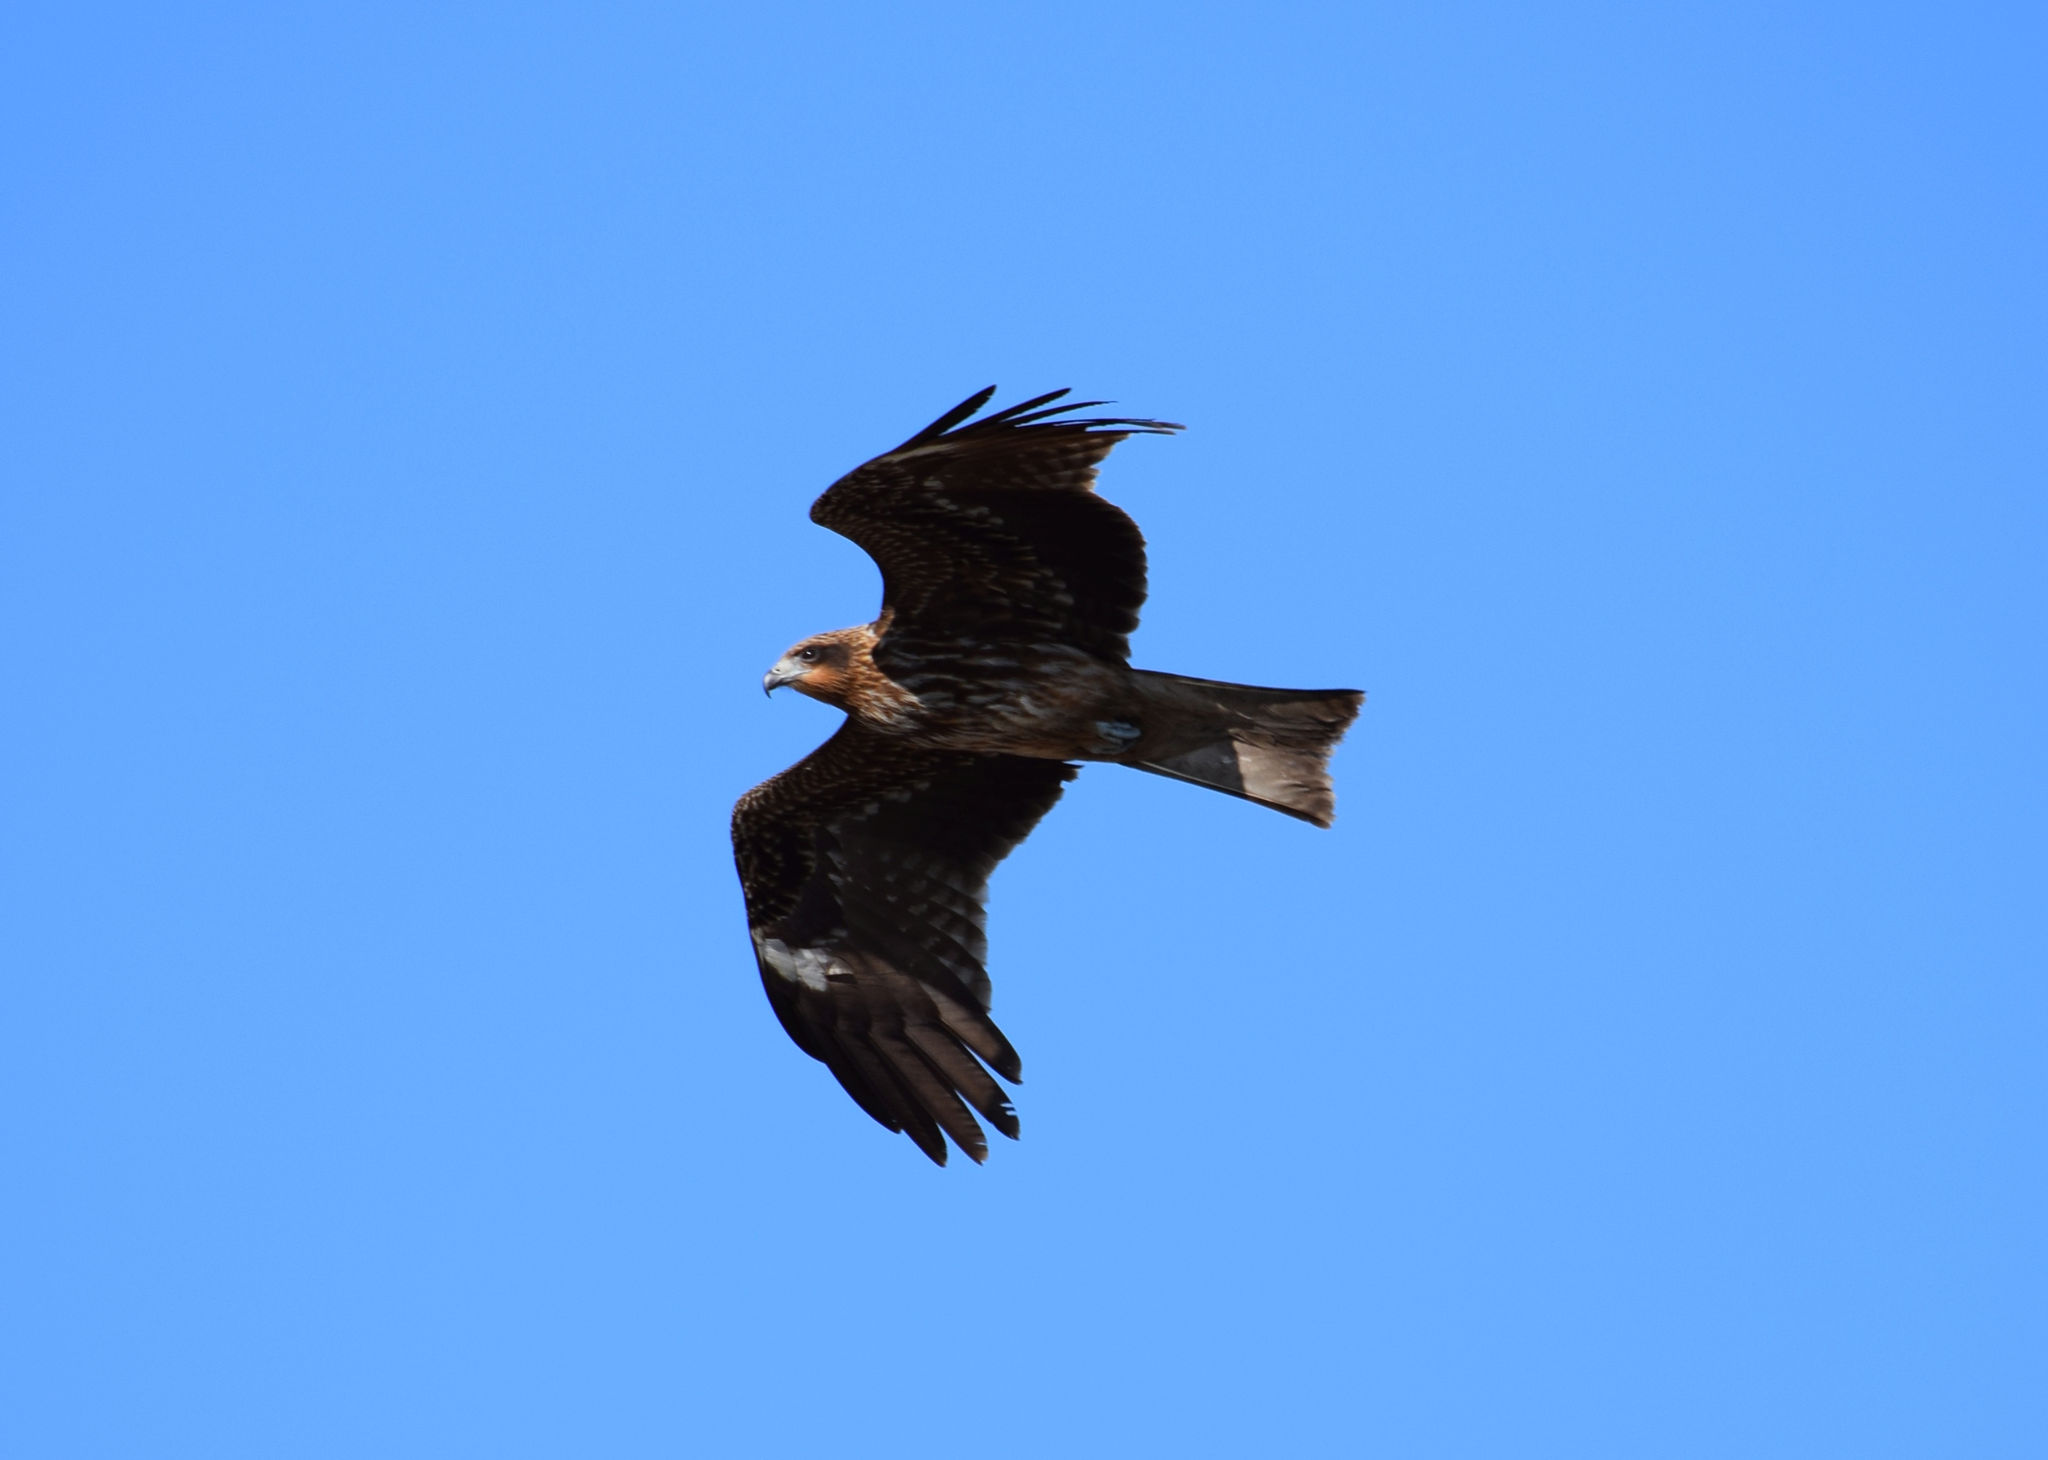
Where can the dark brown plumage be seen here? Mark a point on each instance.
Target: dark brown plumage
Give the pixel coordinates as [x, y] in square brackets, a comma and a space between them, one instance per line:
[1009, 591]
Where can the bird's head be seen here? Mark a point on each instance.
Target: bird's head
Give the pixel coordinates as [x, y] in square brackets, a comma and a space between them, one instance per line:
[816, 667]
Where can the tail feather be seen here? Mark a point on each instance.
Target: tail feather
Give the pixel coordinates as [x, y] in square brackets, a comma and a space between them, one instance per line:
[1271, 746]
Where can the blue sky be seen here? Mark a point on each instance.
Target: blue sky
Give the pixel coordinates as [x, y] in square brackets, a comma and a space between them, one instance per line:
[411, 421]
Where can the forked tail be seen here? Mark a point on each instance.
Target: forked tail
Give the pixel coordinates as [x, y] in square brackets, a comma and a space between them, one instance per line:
[1271, 746]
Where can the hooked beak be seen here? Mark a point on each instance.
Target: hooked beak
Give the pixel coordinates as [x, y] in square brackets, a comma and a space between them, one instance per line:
[777, 677]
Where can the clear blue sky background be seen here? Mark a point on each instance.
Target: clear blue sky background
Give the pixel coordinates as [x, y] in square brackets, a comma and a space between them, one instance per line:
[410, 419]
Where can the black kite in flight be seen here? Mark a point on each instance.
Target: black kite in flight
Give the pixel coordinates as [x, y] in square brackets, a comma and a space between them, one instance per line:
[1008, 592]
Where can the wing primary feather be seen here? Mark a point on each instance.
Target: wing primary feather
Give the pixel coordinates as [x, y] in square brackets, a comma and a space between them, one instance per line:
[970, 1079]
[848, 1073]
[1014, 421]
[973, 1028]
[1038, 411]
[1010, 413]
[918, 1122]
[1090, 425]
[932, 1092]
[1027, 413]
[952, 418]
[908, 1112]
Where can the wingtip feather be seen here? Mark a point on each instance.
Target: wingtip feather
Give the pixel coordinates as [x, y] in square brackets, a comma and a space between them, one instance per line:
[1037, 413]
[953, 417]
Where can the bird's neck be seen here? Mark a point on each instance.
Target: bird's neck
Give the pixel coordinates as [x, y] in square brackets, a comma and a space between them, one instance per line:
[861, 688]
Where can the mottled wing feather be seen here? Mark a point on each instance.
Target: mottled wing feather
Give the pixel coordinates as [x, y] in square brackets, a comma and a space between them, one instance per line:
[865, 868]
[990, 532]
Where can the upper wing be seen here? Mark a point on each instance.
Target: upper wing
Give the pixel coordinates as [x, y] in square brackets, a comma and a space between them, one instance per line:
[865, 867]
[991, 531]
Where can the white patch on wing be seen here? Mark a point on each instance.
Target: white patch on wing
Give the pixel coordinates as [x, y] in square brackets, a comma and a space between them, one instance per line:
[807, 966]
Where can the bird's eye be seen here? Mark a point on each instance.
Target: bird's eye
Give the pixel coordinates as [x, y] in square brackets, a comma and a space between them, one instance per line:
[807, 655]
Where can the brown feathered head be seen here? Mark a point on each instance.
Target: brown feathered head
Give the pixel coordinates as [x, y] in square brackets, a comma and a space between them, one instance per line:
[816, 667]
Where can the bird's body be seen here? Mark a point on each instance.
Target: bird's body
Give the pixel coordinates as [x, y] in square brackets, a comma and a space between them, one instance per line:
[1001, 654]
[1047, 700]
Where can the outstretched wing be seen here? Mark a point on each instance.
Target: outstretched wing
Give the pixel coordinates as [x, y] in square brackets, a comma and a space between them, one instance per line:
[990, 531]
[865, 867]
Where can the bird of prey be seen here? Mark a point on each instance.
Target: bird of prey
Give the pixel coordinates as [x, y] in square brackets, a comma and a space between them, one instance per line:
[1001, 655]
